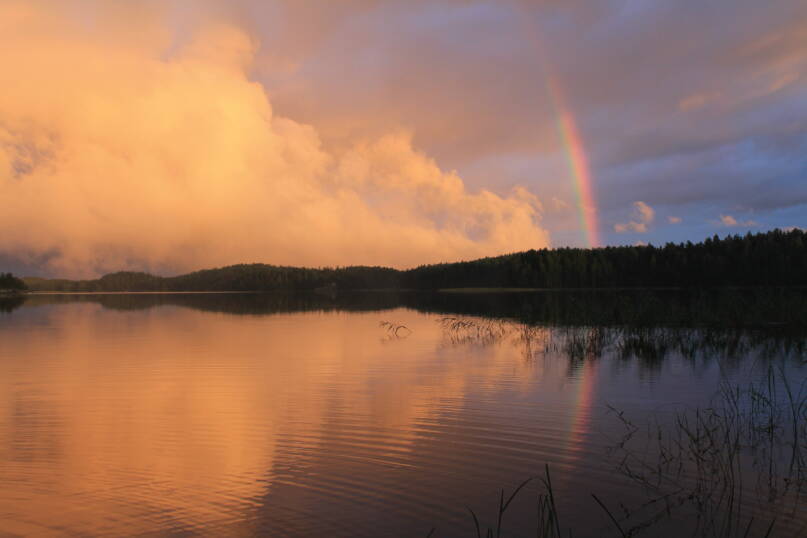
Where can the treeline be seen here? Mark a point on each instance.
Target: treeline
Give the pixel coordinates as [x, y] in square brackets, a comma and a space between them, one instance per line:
[9, 282]
[776, 258]
[252, 277]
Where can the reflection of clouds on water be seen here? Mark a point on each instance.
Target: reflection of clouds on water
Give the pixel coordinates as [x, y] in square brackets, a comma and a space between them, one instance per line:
[170, 418]
[141, 424]
[181, 413]
[580, 346]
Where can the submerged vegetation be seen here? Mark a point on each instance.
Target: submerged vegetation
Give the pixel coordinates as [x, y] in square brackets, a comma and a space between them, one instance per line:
[774, 258]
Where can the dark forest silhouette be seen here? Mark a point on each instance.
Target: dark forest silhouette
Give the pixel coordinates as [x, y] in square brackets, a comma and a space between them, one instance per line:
[9, 282]
[776, 258]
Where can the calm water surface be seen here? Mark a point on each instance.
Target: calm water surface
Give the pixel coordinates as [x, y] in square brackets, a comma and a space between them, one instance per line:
[245, 415]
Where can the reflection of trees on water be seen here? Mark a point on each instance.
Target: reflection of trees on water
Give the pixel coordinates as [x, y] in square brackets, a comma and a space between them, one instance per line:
[248, 304]
[741, 308]
[9, 304]
[649, 345]
[766, 308]
[647, 325]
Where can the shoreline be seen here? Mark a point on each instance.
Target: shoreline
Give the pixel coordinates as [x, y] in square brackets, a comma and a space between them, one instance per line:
[458, 291]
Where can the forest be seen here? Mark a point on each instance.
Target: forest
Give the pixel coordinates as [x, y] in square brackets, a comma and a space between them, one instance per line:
[775, 258]
[9, 282]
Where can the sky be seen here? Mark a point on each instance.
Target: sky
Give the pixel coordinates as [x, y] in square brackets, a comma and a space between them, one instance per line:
[175, 135]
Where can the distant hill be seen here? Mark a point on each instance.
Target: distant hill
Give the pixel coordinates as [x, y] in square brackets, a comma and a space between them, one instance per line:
[251, 277]
[776, 258]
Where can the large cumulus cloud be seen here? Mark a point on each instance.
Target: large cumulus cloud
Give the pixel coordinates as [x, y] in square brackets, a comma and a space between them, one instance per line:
[125, 144]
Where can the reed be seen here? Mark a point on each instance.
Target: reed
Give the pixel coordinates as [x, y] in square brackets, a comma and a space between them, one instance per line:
[650, 345]
[395, 330]
[733, 468]
[547, 522]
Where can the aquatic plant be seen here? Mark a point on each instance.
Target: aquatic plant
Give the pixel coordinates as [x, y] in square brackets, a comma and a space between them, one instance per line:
[481, 331]
[547, 524]
[395, 330]
[732, 467]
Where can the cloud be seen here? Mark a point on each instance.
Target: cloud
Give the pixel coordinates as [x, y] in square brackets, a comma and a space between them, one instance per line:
[559, 204]
[674, 220]
[698, 100]
[124, 147]
[645, 212]
[632, 226]
[710, 122]
[730, 222]
[643, 215]
[723, 131]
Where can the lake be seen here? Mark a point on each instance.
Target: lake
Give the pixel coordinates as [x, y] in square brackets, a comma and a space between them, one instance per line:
[374, 414]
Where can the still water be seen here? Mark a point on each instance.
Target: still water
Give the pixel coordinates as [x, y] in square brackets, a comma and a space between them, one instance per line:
[361, 415]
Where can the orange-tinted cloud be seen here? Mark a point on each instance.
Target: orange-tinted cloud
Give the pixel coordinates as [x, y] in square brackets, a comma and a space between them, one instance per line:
[730, 222]
[123, 146]
[643, 215]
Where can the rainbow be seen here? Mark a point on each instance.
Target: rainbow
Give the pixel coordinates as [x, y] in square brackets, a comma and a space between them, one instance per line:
[569, 136]
[578, 164]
